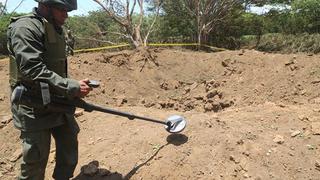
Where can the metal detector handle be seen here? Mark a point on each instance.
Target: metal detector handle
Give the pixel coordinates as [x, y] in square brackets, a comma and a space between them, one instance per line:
[93, 83]
[65, 105]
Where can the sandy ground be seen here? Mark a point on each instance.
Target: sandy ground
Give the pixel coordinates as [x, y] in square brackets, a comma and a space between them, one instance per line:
[250, 115]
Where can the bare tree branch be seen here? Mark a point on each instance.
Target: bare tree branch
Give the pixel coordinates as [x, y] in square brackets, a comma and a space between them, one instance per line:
[159, 2]
[140, 2]
[110, 12]
[127, 8]
[122, 11]
[133, 6]
[4, 7]
[208, 13]
[17, 7]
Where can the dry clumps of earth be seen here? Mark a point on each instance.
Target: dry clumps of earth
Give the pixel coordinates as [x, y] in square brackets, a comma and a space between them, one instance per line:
[250, 115]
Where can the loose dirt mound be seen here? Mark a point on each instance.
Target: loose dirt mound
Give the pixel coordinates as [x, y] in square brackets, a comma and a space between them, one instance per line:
[251, 115]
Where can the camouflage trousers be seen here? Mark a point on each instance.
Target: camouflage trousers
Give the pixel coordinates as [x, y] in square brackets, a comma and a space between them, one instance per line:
[36, 149]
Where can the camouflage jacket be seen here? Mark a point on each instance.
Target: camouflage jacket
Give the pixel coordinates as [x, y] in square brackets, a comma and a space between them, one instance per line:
[37, 54]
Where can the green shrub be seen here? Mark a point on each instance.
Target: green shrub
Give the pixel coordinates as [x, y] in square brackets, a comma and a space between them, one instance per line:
[277, 42]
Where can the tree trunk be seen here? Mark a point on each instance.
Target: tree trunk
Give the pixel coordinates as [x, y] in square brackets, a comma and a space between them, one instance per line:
[137, 40]
[199, 31]
[204, 37]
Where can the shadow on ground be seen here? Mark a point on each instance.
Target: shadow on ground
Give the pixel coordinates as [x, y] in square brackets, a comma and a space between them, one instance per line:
[91, 171]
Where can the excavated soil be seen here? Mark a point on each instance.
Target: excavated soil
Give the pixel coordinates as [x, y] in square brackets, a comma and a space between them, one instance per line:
[250, 115]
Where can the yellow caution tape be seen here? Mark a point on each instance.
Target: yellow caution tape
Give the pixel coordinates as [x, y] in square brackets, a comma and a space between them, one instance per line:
[187, 44]
[100, 48]
[150, 44]
[173, 44]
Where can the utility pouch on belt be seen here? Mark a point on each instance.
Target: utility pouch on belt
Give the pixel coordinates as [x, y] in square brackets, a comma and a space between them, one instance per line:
[45, 93]
[20, 95]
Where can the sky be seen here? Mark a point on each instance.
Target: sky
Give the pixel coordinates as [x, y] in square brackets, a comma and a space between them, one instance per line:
[267, 8]
[84, 6]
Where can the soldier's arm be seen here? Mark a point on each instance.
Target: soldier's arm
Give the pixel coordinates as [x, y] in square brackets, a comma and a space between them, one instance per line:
[26, 40]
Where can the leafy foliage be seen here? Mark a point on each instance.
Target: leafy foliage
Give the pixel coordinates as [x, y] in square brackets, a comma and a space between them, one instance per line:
[307, 15]
[93, 30]
[175, 23]
[4, 22]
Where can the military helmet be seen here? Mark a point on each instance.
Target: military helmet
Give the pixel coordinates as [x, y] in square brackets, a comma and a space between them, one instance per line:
[69, 4]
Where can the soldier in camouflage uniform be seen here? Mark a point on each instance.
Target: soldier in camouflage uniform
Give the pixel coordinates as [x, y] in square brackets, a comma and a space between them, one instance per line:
[38, 59]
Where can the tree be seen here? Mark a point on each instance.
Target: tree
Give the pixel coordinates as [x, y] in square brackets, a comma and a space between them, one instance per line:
[207, 14]
[90, 31]
[307, 14]
[122, 12]
[176, 23]
[4, 22]
[3, 9]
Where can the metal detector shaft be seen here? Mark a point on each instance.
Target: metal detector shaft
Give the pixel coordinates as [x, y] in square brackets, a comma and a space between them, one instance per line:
[19, 95]
[91, 107]
[173, 124]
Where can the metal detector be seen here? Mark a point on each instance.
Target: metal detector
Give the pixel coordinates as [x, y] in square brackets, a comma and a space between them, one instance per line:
[173, 124]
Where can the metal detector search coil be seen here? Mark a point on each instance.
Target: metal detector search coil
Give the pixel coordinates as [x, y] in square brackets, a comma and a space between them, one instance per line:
[175, 124]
